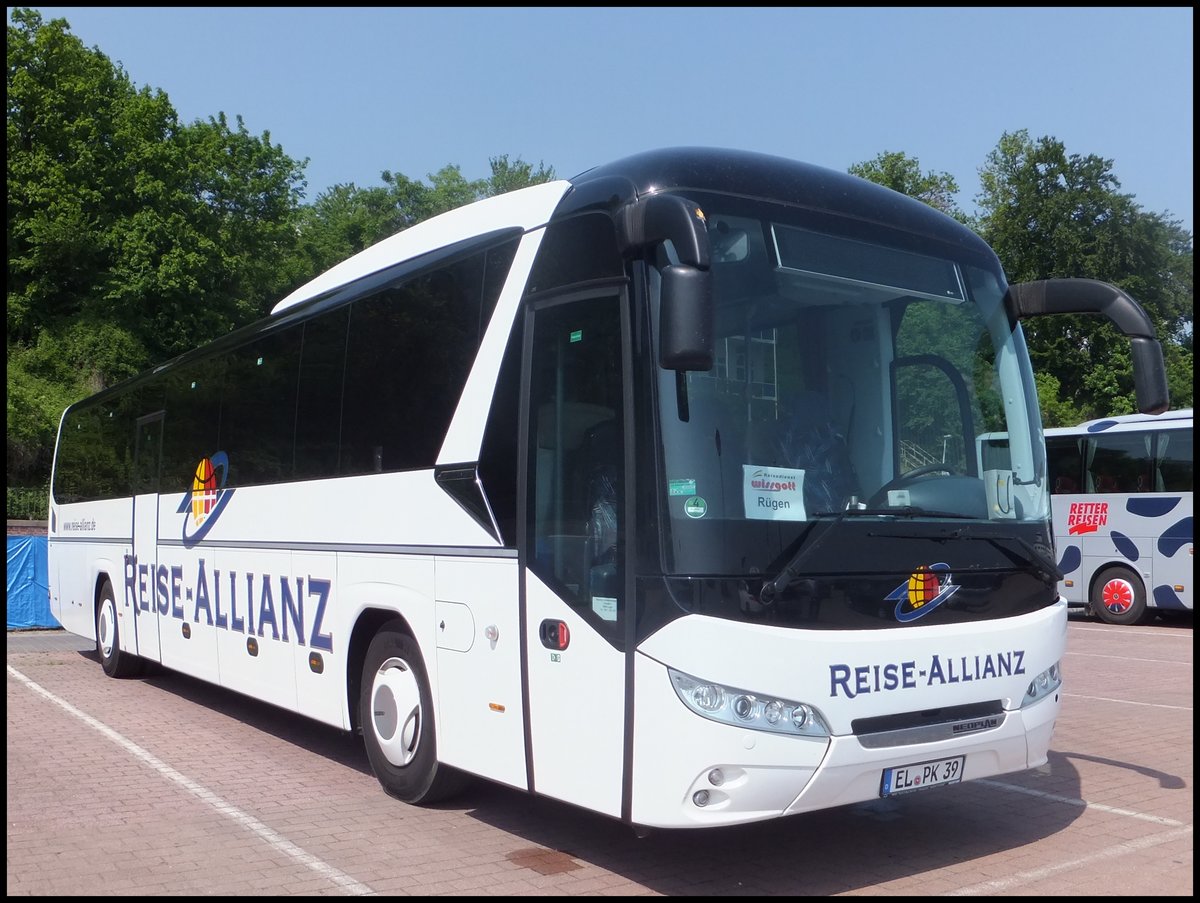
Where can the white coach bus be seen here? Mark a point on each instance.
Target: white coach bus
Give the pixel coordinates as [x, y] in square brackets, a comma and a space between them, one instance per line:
[1121, 507]
[600, 489]
[1121, 498]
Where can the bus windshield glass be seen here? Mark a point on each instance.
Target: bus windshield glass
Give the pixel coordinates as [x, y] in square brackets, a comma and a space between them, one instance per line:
[855, 368]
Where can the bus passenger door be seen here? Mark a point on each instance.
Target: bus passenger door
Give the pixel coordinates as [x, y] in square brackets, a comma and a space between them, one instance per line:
[140, 600]
[572, 548]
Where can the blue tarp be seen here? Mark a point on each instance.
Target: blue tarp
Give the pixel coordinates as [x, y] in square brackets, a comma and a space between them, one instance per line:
[28, 584]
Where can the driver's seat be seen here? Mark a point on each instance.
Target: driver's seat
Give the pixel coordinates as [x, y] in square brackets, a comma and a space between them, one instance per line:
[809, 440]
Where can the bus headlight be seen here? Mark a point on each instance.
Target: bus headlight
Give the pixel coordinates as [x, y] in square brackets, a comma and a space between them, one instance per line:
[742, 708]
[1043, 685]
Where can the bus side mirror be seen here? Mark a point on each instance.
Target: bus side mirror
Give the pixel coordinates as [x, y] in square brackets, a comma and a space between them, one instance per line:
[1089, 296]
[685, 324]
[685, 328]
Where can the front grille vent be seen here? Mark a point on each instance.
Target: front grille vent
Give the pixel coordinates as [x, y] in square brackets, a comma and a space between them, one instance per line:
[928, 725]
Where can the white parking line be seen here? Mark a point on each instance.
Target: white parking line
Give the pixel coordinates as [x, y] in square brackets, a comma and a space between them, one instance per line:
[1149, 705]
[1126, 632]
[206, 796]
[1004, 885]
[1126, 658]
[1083, 804]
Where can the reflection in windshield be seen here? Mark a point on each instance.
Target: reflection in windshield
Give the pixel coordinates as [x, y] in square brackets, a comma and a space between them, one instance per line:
[854, 371]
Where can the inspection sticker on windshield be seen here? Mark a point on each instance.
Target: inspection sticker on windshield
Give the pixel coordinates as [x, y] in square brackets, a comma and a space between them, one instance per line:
[681, 487]
[773, 493]
[907, 778]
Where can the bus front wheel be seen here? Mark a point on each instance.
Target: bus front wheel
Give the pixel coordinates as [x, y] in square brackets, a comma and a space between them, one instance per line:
[116, 663]
[1119, 597]
[396, 713]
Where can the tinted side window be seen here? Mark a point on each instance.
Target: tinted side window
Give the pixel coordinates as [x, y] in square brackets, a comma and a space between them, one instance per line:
[77, 444]
[578, 249]
[319, 402]
[1064, 463]
[1174, 461]
[111, 467]
[258, 409]
[147, 456]
[409, 350]
[191, 428]
[95, 451]
[498, 451]
[497, 263]
[1119, 462]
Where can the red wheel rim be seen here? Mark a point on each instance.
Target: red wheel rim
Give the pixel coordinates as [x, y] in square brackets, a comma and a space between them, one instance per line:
[1117, 596]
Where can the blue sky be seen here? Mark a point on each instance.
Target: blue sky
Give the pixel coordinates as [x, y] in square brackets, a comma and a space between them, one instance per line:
[358, 90]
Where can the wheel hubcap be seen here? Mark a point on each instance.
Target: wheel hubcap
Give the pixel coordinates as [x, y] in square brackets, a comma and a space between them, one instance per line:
[1117, 596]
[106, 629]
[396, 711]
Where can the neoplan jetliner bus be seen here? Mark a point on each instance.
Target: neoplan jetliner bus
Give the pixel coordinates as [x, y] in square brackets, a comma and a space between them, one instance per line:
[604, 489]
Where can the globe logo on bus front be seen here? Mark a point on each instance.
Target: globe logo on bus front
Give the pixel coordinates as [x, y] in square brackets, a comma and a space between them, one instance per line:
[925, 589]
[204, 490]
[206, 499]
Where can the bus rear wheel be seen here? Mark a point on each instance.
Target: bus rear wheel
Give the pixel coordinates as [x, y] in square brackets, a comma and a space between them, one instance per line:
[1119, 597]
[115, 662]
[396, 713]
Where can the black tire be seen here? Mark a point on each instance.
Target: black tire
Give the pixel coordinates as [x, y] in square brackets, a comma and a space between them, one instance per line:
[1119, 597]
[396, 713]
[115, 662]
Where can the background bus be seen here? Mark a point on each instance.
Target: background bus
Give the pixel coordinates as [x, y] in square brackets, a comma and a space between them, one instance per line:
[1121, 498]
[597, 489]
[1122, 509]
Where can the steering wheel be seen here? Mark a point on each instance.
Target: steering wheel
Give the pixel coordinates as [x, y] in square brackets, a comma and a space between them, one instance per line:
[880, 497]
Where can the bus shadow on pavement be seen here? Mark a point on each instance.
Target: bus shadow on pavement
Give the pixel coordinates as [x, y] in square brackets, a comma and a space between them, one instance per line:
[1165, 781]
[306, 733]
[812, 854]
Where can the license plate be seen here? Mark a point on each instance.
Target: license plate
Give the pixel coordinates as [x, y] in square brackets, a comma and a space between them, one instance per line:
[907, 778]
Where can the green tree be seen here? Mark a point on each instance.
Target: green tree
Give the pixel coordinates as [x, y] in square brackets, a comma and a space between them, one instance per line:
[345, 219]
[508, 176]
[1049, 214]
[131, 237]
[902, 173]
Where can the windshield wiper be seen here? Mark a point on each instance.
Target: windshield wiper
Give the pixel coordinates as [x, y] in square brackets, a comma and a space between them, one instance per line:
[1046, 567]
[791, 571]
[1049, 569]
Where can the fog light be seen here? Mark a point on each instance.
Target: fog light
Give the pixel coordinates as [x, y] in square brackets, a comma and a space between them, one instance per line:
[716, 777]
[700, 798]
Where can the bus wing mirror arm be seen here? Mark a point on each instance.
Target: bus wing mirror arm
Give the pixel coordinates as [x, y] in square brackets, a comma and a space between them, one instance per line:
[1089, 296]
[656, 218]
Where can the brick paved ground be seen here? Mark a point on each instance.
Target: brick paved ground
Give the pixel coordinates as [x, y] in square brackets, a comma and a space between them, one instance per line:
[165, 786]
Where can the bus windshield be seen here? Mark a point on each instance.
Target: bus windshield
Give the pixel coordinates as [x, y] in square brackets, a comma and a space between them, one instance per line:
[854, 369]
